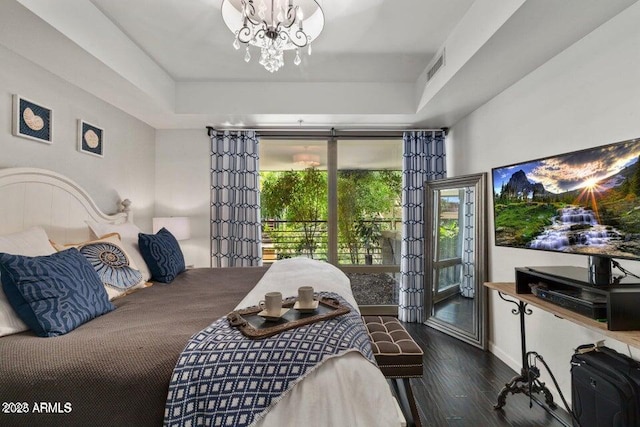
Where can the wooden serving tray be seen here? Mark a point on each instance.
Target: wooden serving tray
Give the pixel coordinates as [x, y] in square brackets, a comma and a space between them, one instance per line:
[256, 327]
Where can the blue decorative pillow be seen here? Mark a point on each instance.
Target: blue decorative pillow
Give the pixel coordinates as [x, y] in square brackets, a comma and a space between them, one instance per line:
[162, 254]
[53, 294]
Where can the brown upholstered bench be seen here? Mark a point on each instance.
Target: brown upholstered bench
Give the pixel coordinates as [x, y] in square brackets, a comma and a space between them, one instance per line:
[398, 357]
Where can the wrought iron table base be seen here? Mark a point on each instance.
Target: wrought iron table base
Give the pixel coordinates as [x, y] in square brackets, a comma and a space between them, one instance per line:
[527, 382]
[527, 385]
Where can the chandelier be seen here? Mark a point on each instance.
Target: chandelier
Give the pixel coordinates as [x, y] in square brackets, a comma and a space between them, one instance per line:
[306, 160]
[273, 26]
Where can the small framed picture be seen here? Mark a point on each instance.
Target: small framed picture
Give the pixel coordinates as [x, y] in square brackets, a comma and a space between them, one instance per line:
[90, 138]
[32, 120]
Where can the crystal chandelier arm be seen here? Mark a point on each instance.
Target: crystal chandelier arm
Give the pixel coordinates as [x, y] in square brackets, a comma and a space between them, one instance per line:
[249, 13]
[299, 38]
[290, 17]
[260, 34]
[244, 34]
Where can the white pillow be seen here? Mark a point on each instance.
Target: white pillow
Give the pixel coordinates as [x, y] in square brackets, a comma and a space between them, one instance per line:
[129, 236]
[117, 281]
[31, 242]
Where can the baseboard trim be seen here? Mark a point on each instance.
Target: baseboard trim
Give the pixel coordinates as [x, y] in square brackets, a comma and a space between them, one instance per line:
[500, 354]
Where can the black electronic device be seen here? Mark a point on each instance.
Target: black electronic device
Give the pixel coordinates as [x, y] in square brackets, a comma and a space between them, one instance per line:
[570, 287]
[578, 300]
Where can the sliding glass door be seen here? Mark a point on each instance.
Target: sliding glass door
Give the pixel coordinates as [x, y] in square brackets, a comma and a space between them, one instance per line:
[336, 200]
[294, 204]
[369, 185]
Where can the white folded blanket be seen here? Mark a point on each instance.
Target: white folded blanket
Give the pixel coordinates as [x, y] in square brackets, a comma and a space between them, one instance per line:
[345, 391]
[287, 275]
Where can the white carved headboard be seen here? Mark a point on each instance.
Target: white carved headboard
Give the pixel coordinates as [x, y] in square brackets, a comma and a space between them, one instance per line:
[30, 197]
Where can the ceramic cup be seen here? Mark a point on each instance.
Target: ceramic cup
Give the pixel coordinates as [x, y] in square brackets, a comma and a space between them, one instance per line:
[305, 296]
[272, 303]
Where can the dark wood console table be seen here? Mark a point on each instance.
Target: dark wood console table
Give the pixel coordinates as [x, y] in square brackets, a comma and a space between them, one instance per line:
[525, 382]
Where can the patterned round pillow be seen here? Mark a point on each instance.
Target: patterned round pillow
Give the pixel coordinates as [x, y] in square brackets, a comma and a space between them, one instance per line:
[111, 264]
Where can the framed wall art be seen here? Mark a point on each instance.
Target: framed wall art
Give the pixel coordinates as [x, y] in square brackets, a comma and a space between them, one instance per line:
[90, 139]
[32, 120]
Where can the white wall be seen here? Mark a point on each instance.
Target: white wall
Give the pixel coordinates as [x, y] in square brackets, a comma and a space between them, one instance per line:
[127, 169]
[182, 186]
[588, 95]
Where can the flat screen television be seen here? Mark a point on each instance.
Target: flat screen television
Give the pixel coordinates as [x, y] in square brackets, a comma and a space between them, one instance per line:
[585, 202]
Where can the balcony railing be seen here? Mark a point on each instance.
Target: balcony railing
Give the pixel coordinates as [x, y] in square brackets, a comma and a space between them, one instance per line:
[286, 239]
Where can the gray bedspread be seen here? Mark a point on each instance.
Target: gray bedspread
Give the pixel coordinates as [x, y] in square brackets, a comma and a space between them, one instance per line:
[115, 370]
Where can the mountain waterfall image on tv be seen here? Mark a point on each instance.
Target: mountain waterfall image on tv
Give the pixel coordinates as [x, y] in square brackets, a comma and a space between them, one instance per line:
[585, 202]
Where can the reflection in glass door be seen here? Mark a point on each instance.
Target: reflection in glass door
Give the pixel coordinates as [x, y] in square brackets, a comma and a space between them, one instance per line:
[448, 239]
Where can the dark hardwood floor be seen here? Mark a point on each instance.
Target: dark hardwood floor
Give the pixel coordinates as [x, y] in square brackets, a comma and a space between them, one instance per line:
[456, 310]
[460, 385]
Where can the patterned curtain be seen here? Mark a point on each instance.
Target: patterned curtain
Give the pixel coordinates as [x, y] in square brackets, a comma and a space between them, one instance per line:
[235, 199]
[423, 160]
[467, 283]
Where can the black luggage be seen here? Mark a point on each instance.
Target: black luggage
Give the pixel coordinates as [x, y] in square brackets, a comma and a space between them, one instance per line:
[605, 388]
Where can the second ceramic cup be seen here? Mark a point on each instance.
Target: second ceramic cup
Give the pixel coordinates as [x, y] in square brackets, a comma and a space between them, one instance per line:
[305, 296]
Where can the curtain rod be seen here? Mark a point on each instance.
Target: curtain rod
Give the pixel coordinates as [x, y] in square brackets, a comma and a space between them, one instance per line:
[322, 130]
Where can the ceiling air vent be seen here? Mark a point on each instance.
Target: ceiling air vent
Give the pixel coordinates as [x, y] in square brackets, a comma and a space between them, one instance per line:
[436, 66]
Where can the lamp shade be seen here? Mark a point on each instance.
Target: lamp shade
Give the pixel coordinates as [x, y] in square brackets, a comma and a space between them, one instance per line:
[176, 225]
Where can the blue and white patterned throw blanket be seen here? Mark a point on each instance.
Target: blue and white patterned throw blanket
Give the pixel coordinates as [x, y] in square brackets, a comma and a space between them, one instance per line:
[223, 378]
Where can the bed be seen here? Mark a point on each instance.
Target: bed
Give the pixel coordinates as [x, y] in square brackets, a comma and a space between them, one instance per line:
[116, 368]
